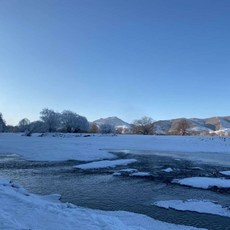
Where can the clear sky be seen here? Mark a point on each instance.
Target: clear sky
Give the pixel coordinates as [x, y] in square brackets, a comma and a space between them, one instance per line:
[127, 58]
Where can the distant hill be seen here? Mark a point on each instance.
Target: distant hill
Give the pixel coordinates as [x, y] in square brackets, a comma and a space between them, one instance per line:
[207, 126]
[113, 121]
[213, 125]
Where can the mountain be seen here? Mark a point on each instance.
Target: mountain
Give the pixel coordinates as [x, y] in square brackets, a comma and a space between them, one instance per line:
[114, 122]
[196, 126]
[213, 125]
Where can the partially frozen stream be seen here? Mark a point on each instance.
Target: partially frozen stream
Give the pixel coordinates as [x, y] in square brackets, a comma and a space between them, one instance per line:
[99, 189]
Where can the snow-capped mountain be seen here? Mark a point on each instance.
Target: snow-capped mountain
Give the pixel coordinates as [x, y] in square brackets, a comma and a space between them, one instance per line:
[114, 122]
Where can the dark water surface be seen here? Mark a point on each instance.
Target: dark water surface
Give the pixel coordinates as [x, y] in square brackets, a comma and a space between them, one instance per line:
[99, 189]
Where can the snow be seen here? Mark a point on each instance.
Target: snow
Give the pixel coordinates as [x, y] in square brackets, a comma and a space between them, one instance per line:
[221, 132]
[226, 173]
[140, 174]
[167, 170]
[22, 210]
[95, 147]
[49, 148]
[114, 121]
[117, 174]
[201, 206]
[199, 129]
[105, 164]
[203, 182]
[129, 170]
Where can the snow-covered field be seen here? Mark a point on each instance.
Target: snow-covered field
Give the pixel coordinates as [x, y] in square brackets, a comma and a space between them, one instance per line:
[65, 147]
[22, 210]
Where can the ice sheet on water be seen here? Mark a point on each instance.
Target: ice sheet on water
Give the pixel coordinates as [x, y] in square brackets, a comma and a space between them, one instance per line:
[167, 170]
[201, 206]
[226, 173]
[140, 174]
[105, 164]
[203, 182]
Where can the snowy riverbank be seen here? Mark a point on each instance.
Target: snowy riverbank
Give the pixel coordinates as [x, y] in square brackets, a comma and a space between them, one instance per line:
[22, 210]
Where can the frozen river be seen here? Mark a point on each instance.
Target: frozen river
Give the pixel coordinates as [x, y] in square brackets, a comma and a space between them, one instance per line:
[100, 189]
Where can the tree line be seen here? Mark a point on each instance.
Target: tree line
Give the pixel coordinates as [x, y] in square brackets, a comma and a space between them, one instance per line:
[71, 122]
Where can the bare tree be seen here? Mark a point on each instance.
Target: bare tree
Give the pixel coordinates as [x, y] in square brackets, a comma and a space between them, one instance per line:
[182, 127]
[93, 128]
[143, 126]
[23, 125]
[119, 130]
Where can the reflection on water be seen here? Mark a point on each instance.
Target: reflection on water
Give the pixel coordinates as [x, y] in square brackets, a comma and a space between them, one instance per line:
[100, 190]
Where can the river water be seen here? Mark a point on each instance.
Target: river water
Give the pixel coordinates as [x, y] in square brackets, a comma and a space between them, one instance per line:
[99, 189]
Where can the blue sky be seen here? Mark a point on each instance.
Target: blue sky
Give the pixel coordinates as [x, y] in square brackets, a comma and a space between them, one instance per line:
[127, 58]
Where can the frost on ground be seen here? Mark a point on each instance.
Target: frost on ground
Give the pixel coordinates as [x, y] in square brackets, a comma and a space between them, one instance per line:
[105, 164]
[201, 206]
[22, 210]
[203, 182]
